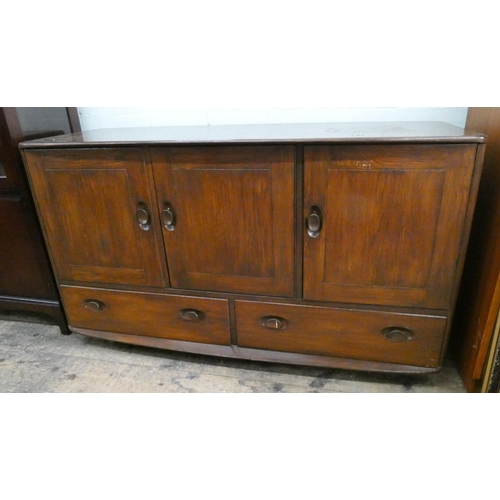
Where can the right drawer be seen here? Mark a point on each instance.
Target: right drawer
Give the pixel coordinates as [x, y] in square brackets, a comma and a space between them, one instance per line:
[369, 335]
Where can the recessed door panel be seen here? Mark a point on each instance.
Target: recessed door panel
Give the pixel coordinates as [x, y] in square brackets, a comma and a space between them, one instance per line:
[391, 222]
[228, 217]
[97, 208]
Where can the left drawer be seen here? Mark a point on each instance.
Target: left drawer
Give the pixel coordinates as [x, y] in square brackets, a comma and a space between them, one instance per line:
[173, 317]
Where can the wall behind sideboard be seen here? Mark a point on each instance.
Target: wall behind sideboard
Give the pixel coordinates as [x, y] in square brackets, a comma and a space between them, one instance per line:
[107, 117]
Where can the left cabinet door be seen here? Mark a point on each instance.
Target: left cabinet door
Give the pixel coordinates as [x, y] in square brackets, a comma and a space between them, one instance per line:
[97, 211]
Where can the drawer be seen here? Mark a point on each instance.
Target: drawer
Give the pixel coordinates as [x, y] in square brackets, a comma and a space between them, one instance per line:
[369, 335]
[166, 316]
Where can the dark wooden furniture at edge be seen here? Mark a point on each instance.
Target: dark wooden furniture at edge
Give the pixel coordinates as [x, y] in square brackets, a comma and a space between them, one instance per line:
[474, 339]
[336, 245]
[26, 278]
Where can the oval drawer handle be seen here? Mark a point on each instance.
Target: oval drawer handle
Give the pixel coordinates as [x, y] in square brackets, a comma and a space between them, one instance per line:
[143, 217]
[397, 334]
[168, 216]
[191, 315]
[273, 322]
[314, 222]
[94, 305]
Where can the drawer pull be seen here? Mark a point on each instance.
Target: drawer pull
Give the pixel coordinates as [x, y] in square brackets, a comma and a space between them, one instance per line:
[94, 305]
[191, 315]
[397, 334]
[143, 217]
[273, 322]
[314, 222]
[168, 216]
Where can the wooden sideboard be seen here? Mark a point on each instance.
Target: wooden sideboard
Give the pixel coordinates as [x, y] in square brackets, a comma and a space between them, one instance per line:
[338, 245]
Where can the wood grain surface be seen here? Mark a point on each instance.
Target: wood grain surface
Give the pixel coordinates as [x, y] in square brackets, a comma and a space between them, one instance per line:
[393, 218]
[152, 315]
[88, 202]
[300, 133]
[234, 217]
[479, 297]
[333, 332]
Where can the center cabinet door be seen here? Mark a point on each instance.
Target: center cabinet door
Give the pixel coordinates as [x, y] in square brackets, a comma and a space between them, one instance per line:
[384, 222]
[228, 217]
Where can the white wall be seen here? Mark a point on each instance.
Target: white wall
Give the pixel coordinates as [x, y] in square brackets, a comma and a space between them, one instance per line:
[106, 117]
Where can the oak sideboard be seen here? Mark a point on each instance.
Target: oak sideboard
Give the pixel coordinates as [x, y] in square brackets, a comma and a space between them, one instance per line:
[336, 245]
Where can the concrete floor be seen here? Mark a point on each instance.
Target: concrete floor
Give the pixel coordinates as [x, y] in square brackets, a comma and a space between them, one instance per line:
[36, 358]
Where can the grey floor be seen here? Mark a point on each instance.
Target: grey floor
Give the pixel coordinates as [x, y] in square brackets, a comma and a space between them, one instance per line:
[36, 358]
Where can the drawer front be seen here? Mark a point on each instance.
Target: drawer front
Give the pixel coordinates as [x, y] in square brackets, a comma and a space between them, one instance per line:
[166, 316]
[368, 335]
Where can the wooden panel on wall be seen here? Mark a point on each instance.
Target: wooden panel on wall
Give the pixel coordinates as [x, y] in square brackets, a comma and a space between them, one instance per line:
[479, 297]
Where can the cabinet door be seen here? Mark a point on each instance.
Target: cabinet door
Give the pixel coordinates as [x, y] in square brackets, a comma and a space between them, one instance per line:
[228, 217]
[95, 206]
[390, 220]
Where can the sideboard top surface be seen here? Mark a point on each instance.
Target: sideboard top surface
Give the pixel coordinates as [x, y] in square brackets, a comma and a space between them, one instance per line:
[383, 132]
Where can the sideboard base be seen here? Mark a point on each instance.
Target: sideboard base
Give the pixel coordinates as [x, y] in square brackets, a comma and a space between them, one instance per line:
[258, 354]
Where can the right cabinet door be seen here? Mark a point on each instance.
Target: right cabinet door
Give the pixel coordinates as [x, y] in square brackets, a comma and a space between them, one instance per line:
[384, 223]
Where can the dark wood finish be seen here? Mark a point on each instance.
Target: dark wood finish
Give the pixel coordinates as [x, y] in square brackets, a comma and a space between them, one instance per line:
[261, 298]
[10, 178]
[297, 133]
[152, 315]
[50, 308]
[331, 332]
[299, 238]
[232, 217]
[465, 241]
[259, 354]
[89, 203]
[26, 279]
[392, 219]
[479, 297]
[232, 321]
[20, 244]
[390, 214]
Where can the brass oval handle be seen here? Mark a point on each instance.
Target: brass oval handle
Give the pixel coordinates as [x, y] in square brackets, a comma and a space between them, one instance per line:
[273, 322]
[191, 315]
[94, 305]
[314, 222]
[397, 334]
[168, 216]
[143, 216]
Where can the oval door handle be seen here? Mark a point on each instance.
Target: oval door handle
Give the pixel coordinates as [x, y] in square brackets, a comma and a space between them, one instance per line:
[314, 222]
[397, 334]
[143, 216]
[273, 322]
[94, 305]
[168, 216]
[191, 315]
